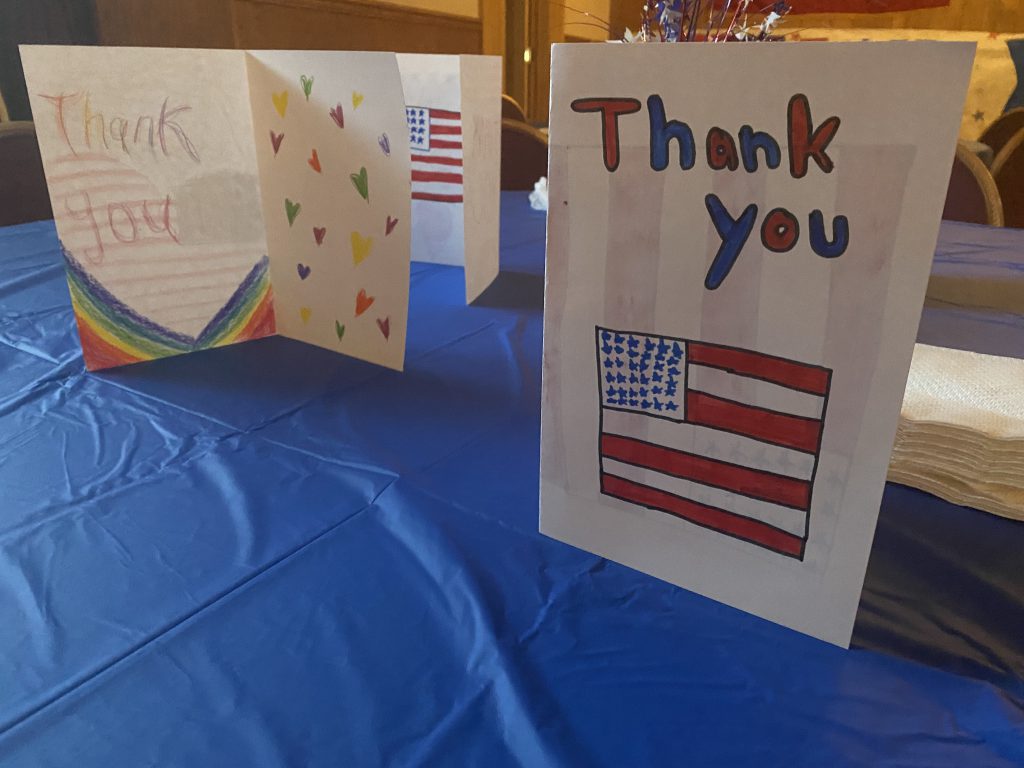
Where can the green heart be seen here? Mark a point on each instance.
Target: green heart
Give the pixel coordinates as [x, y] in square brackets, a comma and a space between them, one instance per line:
[362, 183]
[292, 210]
[339, 329]
[307, 85]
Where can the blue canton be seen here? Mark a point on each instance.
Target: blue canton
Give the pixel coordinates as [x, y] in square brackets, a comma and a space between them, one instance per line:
[642, 373]
[418, 119]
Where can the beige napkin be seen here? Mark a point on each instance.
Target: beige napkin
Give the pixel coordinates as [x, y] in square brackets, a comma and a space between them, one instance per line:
[961, 431]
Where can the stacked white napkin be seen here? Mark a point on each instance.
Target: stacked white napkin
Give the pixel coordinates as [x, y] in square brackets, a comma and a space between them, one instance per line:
[961, 431]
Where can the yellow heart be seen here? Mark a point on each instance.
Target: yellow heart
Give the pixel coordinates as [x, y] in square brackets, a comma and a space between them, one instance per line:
[280, 102]
[361, 247]
[304, 313]
[357, 99]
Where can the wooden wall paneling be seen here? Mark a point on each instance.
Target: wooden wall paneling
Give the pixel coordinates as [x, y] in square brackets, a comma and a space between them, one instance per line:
[547, 26]
[39, 21]
[623, 14]
[517, 19]
[177, 24]
[492, 24]
[308, 24]
[351, 25]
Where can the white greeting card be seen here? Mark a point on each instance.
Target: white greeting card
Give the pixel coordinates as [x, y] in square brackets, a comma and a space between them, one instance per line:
[220, 196]
[739, 240]
[453, 104]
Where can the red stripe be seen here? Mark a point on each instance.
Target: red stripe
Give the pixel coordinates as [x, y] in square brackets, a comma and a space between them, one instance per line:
[450, 130]
[701, 514]
[97, 352]
[95, 174]
[754, 483]
[437, 198]
[806, 378]
[759, 423]
[451, 178]
[263, 321]
[437, 160]
[445, 144]
[444, 114]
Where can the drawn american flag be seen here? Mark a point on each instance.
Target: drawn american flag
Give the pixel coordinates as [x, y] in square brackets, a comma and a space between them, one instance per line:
[722, 437]
[435, 137]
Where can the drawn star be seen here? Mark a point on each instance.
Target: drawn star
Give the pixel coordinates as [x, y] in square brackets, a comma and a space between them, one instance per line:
[979, 116]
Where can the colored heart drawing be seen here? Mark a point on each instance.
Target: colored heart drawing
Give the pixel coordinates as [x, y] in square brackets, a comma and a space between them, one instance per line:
[385, 327]
[385, 144]
[307, 85]
[304, 313]
[314, 161]
[303, 271]
[361, 247]
[338, 116]
[339, 329]
[357, 99]
[363, 302]
[280, 102]
[275, 141]
[318, 234]
[362, 183]
[390, 225]
[291, 210]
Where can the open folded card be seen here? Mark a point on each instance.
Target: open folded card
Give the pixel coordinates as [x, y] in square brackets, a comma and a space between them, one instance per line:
[221, 196]
[455, 140]
[739, 241]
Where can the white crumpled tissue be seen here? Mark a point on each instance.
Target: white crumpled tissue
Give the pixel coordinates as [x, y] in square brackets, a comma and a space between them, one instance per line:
[539, 196]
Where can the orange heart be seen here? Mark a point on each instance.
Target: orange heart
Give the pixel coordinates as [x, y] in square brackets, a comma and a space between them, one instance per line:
[363, 302]
[314, 162]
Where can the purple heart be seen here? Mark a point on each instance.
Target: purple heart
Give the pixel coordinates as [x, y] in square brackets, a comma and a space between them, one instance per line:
[304, 271]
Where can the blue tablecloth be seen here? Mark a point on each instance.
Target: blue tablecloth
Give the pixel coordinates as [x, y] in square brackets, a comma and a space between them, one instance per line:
[271, 555]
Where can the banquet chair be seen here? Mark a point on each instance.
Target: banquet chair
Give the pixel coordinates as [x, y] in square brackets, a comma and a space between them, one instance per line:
[23, 193]
[1006, 126]
[1008, 171]
[511, 109]
[524, 155]
[972, 195]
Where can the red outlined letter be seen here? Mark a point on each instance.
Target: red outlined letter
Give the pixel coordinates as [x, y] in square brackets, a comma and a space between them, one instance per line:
[610, 109]
[805, 142]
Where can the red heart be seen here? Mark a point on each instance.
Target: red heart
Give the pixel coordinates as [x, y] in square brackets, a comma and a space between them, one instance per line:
[338, 116]
[385, 327]
[318, 234]
[390, 225]
[314, 162]
[275, 140]
[363, 302]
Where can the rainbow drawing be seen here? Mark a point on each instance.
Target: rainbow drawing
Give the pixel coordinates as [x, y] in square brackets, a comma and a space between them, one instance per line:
[114, 334]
